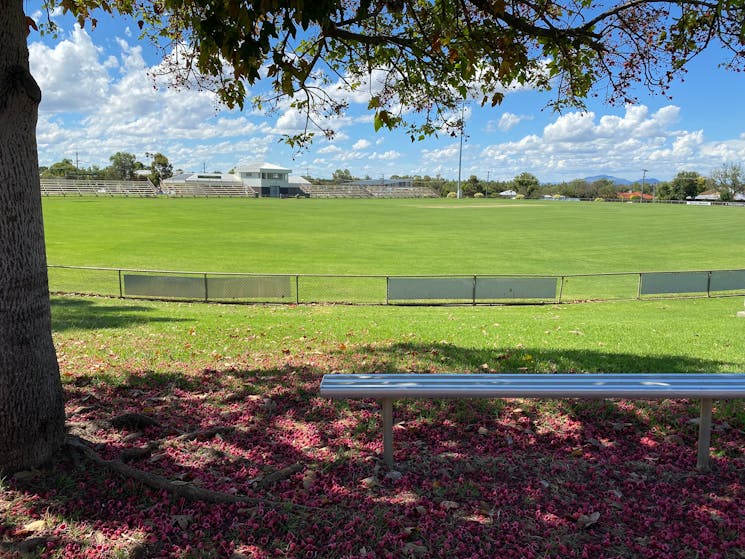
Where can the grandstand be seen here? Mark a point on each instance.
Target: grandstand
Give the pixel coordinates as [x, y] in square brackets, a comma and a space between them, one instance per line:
[206, 184]
[387, 191]
[84, 187]
[270, 181]
[402, 188]
[336, 191]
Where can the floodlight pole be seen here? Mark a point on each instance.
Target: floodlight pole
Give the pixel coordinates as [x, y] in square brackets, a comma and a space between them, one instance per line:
[460, 152]
[644, 175]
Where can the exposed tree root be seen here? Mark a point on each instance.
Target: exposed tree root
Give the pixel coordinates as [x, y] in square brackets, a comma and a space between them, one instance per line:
[204, 434]
[182, 489]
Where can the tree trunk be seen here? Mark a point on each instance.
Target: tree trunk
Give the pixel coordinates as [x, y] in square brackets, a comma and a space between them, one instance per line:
[32, 419]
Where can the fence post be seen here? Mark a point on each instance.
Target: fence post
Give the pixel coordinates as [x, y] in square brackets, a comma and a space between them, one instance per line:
[639, 287]
[297, 289]
[387, 292]
[708, 284]
[473, 290]
[561, 289]
[121, 291]
[206, 292]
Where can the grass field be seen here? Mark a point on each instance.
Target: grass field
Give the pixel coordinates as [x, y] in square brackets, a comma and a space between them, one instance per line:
[395, 237]
[233, 390]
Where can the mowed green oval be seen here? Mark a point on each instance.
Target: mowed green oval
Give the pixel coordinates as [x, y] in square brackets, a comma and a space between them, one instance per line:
[395, 237]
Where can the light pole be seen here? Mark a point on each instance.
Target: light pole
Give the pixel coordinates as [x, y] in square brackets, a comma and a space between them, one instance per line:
[460, 152]
[644, 175]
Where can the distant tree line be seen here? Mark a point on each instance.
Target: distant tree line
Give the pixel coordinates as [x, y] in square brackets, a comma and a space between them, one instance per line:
[123, 166]
[727, 181]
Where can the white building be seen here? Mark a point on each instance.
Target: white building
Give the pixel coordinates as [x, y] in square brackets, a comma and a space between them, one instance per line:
[257, 179]
[267, 179]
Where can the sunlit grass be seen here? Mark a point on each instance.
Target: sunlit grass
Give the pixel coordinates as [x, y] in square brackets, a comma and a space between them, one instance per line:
[394, 237]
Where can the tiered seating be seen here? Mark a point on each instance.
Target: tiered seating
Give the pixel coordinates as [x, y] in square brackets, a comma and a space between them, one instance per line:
[385, 191]
[367, 191]
[67, 187]
[336, 191]
[197, 189]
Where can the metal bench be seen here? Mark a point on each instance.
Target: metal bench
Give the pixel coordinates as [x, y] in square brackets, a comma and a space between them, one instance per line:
[387, 387]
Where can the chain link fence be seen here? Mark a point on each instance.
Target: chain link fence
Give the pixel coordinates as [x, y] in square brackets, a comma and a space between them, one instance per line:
[399, 290]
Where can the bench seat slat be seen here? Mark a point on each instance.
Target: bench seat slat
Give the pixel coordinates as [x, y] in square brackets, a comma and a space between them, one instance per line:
[633, 386]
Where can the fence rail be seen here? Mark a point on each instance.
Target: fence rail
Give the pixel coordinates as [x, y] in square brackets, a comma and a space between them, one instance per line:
[391, 290]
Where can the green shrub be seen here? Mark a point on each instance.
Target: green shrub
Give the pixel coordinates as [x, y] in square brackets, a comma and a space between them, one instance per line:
[478, 195]
[520, 197]
[452, 195]
[600, 199]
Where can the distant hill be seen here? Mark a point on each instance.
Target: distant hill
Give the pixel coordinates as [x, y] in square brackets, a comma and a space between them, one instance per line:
[623, 182]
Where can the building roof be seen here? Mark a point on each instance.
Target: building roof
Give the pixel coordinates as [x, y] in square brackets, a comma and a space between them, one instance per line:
[297, 179]
[258, 167]
[217, 178]
[635, 194]
[708, 195]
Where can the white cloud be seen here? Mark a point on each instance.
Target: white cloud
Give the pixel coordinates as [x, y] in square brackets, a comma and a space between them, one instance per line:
[361, 144]
[509, 120]
[97, 113]
[331, 148]
[572, 127]
[70, 75]
[581, 143]
[435, 155]
[389, 155]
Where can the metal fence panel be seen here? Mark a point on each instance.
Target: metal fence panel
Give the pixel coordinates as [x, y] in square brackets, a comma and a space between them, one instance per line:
[674, 282]
[727, 280]
[164, 286]
[422, 288]
[515, 288]
[249, 287]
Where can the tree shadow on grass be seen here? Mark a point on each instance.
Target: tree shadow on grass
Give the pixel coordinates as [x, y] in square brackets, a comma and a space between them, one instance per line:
[475, 478]
[86, 314]
[446, 357]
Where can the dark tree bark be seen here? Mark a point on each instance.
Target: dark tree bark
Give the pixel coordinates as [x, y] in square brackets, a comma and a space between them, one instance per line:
[32, 419]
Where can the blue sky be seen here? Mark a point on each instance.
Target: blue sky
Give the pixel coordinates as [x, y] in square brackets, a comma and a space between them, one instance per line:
[99, 97]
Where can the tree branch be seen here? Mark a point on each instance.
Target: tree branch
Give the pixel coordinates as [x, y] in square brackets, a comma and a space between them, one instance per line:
[335, 32]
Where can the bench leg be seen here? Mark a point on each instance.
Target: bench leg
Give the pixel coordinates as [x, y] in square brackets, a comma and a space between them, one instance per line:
[704, 436]
[388, 431]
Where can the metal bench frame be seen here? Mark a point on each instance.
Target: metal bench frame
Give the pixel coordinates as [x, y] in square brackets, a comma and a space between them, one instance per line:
[387, 387]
